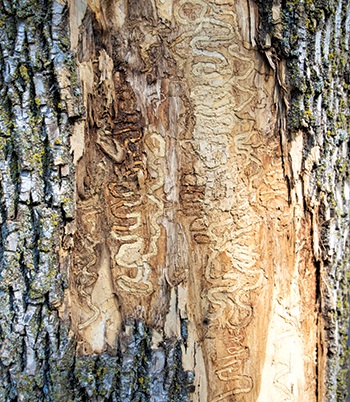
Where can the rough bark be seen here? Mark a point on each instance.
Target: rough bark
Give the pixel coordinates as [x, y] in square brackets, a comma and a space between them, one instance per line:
[174, 200]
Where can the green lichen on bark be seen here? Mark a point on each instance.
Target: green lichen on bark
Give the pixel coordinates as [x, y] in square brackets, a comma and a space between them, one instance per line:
[34, 343]
[137, 371]
[315, 46]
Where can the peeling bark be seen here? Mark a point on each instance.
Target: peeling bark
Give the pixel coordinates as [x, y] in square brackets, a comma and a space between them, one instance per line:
[174, 200]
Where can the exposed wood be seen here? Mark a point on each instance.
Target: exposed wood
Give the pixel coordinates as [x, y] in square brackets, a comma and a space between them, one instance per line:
[174, 200]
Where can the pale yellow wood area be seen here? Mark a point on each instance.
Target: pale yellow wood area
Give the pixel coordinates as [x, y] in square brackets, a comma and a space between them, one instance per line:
[183, 208]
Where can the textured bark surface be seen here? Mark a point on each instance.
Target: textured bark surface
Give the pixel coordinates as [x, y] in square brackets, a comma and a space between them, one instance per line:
[37, 197]
[174, 200]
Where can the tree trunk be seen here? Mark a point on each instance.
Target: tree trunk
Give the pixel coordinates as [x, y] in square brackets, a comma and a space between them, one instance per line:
[174, 200]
